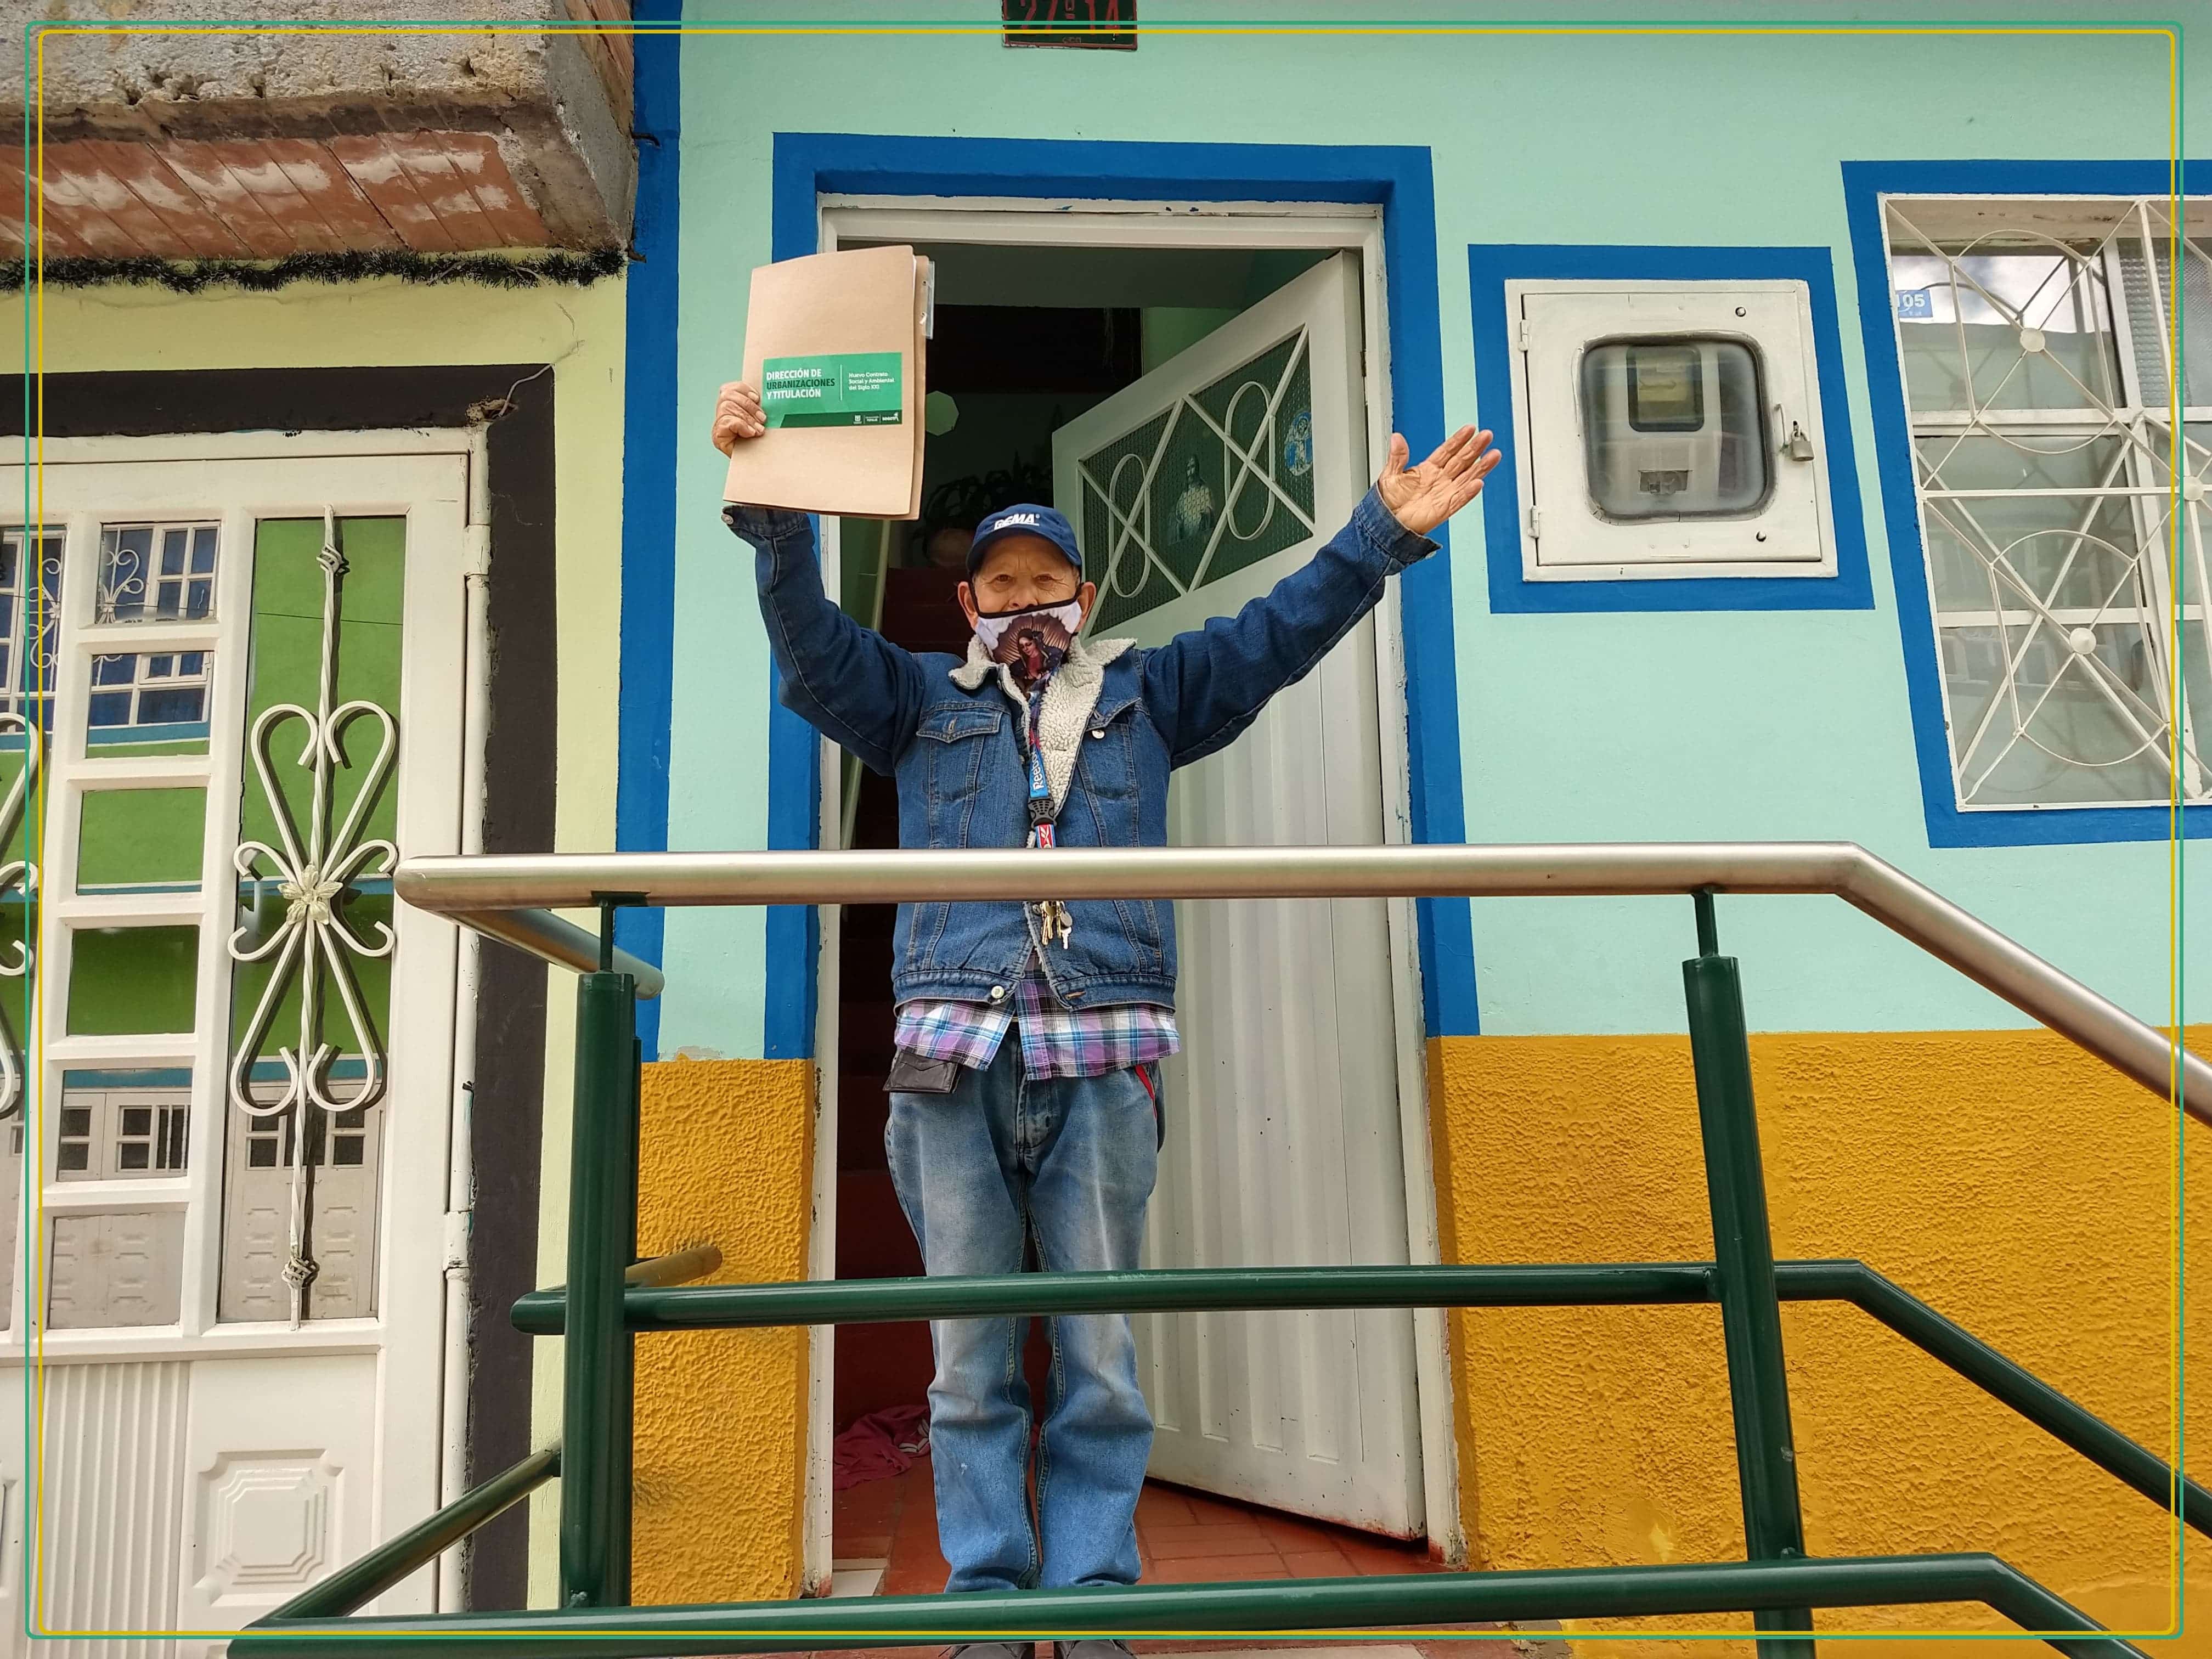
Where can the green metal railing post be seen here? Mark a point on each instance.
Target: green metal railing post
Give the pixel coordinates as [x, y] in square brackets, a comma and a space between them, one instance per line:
[1743, 1277]
[597, 1372]
[623, 1406]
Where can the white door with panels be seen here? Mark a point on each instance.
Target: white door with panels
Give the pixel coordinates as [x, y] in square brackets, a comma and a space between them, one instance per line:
[1192, 491]
[237, 676]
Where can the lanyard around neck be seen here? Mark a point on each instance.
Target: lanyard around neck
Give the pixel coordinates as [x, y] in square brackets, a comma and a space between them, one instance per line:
[1042, 812]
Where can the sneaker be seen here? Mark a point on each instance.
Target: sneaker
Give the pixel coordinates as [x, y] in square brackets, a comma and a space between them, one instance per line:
[1096, 1648]
[989, 1650]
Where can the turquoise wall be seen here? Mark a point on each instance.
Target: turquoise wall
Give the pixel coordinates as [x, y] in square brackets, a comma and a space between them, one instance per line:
[1745, 725]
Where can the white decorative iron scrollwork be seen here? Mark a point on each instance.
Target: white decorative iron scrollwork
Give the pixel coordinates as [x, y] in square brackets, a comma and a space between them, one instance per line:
[125, 576]
[313, 947]
[19, 880]
[1136, 559]
[2039, 369]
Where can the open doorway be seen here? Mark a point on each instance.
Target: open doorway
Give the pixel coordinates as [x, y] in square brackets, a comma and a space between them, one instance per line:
[1202, 414]
[1008, 376]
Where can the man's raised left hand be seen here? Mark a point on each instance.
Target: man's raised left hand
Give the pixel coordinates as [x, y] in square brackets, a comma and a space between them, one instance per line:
[1422, 497]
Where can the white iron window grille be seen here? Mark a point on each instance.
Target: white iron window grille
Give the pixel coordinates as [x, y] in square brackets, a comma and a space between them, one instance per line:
[18, 886]
[30, 608]
[30, 611]
[1197, 492]
[156, 573]
[314, 947]
[2039, 349]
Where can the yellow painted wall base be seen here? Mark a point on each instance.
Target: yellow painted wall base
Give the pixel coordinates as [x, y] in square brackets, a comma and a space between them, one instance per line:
[2019, 1186]
[726, 1159]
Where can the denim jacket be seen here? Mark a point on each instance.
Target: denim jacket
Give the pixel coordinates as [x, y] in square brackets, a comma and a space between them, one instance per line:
[954, 741]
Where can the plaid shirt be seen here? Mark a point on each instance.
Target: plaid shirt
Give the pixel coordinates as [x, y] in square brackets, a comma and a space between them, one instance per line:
[1056, 1041]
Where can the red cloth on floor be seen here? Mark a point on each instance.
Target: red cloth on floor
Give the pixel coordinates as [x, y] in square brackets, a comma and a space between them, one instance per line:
[880, 1446]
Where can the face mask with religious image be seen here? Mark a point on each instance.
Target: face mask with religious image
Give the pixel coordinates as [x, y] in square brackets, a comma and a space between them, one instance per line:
[1031, 641]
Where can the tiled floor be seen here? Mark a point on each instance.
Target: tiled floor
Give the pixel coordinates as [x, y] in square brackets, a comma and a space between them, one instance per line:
[1187, 1537]
[1182, 1537]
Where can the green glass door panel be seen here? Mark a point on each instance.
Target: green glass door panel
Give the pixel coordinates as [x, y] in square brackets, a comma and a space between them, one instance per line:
[288, 647]
[132, 981]
[141, 840]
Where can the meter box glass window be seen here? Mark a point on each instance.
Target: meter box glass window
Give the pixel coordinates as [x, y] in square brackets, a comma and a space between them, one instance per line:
[1673, 428]
[1668, 429]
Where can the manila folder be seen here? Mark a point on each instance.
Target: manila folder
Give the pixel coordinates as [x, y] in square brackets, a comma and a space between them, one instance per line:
[833, 344]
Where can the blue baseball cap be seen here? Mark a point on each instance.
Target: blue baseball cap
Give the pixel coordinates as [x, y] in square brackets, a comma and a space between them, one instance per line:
[1025, 519]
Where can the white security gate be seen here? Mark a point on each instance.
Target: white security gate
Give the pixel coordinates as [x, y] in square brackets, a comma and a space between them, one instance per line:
[245, 700]
[1192, 491]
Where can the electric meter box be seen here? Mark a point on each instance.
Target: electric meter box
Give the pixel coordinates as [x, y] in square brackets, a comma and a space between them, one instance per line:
[1668, 429]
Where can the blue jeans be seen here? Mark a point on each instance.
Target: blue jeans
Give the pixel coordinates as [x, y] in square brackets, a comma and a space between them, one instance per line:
[1002, 1159]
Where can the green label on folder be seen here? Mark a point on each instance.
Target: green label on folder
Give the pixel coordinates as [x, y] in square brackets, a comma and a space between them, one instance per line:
[857, 388]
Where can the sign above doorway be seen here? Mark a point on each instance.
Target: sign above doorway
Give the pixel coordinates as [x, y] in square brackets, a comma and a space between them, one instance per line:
[1108, 23]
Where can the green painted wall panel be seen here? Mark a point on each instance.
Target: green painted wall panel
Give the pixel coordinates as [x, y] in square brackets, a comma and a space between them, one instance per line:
[287, 643]
[140, 837]
[128, 980]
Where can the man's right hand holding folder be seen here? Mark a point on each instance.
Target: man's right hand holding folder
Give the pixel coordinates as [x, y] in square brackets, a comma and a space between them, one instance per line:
[738, 415]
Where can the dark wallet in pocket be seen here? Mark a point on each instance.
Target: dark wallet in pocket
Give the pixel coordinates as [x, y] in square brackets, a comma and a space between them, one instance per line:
[910, 1074]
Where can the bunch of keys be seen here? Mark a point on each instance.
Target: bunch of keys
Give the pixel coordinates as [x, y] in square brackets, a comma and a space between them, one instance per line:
[1057, 921]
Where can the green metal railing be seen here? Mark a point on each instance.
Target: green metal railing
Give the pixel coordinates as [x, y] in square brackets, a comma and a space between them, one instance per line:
[610, 1299]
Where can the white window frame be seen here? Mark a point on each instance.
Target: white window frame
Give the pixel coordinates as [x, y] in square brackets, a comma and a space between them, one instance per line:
[1572, 464]
[1932, 220]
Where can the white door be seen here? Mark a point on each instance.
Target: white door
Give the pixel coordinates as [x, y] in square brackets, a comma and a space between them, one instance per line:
[243, 690]
[1192, 491]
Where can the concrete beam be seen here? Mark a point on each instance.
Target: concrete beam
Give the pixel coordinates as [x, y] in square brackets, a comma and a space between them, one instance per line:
[555, 106]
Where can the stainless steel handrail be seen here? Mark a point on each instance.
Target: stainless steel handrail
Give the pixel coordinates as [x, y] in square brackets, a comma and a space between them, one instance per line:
[547, 937]
[489, 893]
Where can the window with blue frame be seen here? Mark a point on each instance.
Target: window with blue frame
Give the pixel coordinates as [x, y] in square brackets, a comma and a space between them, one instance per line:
[2040, 340]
